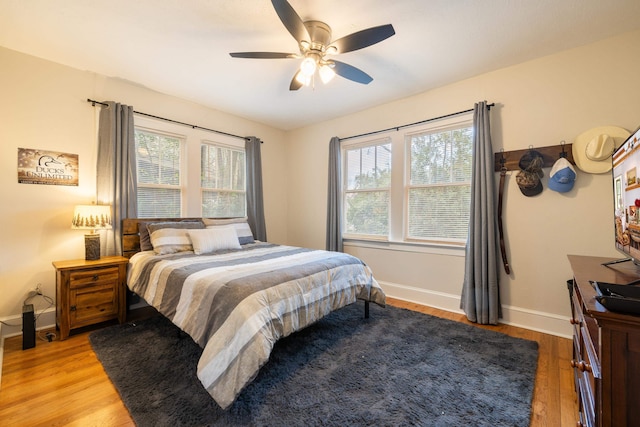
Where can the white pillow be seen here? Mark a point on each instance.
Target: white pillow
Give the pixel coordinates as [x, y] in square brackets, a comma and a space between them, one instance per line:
[214, 239]
[242, 227]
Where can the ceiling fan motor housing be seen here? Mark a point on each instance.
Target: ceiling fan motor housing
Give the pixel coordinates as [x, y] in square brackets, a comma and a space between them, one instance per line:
[320, 34]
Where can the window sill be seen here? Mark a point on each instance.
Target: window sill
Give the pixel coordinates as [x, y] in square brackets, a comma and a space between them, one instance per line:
[427, 248]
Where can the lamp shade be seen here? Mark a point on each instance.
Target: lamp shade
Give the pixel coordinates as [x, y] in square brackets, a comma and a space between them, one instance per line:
[93, 217]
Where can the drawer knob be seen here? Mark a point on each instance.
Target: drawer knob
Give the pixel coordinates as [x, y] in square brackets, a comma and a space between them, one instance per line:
[574, 321]
[582, 366]
[95, 277]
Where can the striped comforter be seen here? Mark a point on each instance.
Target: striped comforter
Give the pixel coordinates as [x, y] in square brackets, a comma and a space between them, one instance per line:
[238, 303]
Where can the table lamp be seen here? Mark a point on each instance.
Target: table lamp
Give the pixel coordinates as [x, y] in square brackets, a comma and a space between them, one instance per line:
[94, 218]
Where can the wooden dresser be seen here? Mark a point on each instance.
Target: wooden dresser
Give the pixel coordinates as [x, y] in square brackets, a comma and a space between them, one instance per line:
[606, 353]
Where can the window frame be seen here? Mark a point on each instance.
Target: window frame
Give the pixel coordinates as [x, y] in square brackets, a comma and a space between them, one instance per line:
[398, 238]
[453, 125]
[205, 189]
[345, 191]
[191, 196]
[182, 165]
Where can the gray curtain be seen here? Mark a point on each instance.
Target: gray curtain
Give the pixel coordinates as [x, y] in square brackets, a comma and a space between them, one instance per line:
[255, 201]
[480, 291]
[116, 171]
[334, 199]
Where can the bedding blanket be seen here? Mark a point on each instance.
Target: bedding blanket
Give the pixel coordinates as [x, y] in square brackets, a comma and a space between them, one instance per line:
[238, 303]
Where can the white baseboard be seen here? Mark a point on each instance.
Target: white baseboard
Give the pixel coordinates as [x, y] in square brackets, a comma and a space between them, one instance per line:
[44, 319]
[548, 323]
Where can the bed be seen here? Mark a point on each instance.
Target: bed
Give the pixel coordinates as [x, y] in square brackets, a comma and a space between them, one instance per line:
[235, 296]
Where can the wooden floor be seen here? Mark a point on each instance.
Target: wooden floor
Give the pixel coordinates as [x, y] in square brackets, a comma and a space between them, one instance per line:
[62, 383]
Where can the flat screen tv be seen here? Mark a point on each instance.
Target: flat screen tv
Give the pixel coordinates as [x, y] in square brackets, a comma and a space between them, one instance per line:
[626, 197]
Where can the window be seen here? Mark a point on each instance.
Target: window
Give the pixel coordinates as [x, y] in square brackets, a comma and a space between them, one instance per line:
[367, 190]
[158, 159]
[439, 184]
[410, 187]
[183, 172]
[222, 179]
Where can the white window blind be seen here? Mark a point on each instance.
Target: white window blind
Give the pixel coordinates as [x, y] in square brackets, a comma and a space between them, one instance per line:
[158, 158]
[223, 181]
[439, 184]
[367, 190]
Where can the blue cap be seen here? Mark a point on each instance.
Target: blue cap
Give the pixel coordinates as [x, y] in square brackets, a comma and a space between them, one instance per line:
[562, 176]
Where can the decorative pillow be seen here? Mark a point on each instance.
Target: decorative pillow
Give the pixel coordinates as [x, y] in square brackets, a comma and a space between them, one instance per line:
[172, 237]
[145, 238]
[245, 235]
[214, 239]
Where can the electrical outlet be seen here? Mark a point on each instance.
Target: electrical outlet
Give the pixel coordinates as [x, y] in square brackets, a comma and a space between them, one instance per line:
[38, 289]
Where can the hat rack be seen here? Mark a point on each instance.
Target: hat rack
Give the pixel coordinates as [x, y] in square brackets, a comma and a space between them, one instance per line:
[509, 160]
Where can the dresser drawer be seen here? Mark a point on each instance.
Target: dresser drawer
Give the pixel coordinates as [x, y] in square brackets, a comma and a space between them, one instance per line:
[91, 277]
[587, 372]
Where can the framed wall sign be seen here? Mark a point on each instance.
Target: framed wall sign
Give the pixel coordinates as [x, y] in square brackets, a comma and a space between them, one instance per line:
[47, 167]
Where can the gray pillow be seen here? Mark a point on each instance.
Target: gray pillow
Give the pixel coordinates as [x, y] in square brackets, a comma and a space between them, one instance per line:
[145, 237]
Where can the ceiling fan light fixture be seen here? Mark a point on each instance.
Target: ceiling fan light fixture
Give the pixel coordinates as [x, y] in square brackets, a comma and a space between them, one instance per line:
[303, 79]
[326, 73]
[331, 50]
[308, 66]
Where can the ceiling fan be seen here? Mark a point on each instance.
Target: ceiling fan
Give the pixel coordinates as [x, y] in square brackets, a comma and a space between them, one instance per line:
[314, 41]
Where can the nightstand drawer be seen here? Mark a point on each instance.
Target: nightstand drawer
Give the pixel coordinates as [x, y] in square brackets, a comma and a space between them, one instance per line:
[91, 277]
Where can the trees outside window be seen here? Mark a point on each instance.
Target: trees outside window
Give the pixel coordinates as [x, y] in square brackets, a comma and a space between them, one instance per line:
[413, 187]
[158, 158]
[367, 190]
[222, 179]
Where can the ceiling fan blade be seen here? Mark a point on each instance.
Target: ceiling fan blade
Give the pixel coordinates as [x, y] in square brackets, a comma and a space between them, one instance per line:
[263, 55]
[352, 73]
[295, 84]
[364, 38]
[291, 20]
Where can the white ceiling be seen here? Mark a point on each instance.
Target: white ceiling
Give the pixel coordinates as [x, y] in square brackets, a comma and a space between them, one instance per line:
[181, 48]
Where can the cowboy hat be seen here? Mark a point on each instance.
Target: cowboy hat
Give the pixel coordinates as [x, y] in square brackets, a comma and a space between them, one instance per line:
[592, 149]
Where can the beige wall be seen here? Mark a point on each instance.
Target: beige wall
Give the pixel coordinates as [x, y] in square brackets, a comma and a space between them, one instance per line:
[43, 105]
[538, 103]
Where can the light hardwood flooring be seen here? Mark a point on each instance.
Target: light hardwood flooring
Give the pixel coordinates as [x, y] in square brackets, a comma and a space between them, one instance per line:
[61, 383]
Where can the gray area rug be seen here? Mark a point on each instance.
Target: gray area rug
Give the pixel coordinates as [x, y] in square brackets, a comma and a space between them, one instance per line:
[396, 368]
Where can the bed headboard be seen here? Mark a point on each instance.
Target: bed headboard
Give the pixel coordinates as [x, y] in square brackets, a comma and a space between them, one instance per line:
[131, 236]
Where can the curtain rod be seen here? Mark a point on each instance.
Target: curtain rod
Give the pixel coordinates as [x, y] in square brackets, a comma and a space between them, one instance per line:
[397, 128]
[94, 102]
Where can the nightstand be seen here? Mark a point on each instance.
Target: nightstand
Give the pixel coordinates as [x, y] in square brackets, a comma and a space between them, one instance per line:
[90, 292]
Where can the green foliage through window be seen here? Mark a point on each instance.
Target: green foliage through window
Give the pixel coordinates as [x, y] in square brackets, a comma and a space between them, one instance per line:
[424, 198]
[158, 164]
[368, 180]
[439, 187]
[222, 178]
